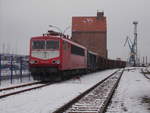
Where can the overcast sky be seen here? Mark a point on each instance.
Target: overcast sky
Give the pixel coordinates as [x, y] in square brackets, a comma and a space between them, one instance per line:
[22, 19]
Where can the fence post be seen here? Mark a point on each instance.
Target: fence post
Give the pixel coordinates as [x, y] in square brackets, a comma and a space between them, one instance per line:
[20, 69]
[28, 69]
[29, 72]
[0, 69]
[11, 68]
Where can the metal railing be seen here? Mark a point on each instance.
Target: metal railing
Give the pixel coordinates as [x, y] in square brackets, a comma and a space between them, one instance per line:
[13, 67]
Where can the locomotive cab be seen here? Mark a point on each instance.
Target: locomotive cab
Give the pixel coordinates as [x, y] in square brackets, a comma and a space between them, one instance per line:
[45, 50]
[44, 55]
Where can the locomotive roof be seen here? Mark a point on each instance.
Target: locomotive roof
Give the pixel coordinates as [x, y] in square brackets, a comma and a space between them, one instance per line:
[58, 37]
[72, 42]
[45, 37]
[93, 53]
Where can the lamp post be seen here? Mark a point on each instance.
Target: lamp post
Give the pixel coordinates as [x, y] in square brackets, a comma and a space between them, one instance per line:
[66, 29]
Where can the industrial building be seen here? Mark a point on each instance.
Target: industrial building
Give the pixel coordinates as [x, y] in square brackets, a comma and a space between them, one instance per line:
[91, 32]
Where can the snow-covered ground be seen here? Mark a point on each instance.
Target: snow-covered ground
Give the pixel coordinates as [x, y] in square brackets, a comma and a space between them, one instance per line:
[132, 94]
[48, 99]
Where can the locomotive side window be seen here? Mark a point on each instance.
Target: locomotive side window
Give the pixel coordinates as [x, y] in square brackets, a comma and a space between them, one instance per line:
[52, 44]
[77, 50]
[38, 44]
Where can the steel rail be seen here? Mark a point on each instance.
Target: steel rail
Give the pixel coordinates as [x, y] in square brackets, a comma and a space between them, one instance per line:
[24, 90]
[70, 103]
[111, 93]
[18, 86]
[144, 73]
[147, 71]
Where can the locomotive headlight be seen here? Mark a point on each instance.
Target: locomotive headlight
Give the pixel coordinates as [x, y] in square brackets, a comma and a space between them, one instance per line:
[57, 61]
[32, 61]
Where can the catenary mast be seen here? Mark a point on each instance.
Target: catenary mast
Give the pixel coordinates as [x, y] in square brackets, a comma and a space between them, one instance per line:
[135, 42]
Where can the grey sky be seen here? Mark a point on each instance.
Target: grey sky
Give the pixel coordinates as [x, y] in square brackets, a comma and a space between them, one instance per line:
[22, 19]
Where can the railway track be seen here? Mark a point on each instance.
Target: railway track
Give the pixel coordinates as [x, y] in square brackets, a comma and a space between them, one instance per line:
[5, 92]
[18, 86]
[95, 99]
[146, 74]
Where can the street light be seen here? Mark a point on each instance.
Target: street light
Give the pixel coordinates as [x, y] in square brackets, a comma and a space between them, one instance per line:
[66, 29]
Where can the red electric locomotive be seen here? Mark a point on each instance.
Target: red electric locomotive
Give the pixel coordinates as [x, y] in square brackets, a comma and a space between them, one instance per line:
[54, 57]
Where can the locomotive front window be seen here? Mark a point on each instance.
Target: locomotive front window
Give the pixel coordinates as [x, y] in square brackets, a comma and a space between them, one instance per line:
[52, 44]
[38, 44]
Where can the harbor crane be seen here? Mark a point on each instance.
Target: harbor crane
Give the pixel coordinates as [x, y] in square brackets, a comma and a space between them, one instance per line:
[132, 51]
[133, 58]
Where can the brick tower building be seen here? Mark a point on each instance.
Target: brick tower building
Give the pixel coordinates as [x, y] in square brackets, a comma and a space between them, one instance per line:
[91, 32]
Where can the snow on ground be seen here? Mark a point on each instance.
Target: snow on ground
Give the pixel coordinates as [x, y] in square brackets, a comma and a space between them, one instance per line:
[48, 99]
[132, 94]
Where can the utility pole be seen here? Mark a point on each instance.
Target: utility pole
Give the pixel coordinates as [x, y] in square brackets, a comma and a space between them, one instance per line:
[146, 61]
